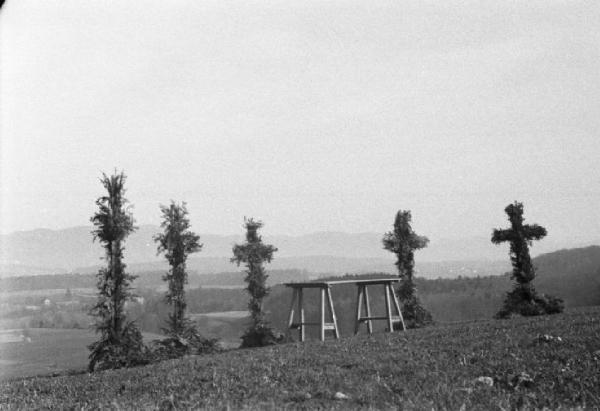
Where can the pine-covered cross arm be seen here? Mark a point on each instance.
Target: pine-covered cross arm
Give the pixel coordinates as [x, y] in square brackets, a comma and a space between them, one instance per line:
[418, 242]
[525, 232]
[523, 299]
[534, 232]
[502, 235]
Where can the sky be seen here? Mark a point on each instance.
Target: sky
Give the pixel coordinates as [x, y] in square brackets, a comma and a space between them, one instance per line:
[312, 115]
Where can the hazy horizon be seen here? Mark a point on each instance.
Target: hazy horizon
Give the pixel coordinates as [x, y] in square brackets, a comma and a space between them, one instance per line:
[311, 117]
[241, 233]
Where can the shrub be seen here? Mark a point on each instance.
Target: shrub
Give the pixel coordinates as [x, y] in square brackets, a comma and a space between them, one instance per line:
[187, 341]
[125, 350]
[261, 336]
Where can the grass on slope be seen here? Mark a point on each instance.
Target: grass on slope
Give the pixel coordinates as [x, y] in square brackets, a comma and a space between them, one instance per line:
[436, 367]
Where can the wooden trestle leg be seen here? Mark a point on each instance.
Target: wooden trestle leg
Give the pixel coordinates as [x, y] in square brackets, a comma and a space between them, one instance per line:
[301, 312]
[362, 300]
[332, 311]
[388, 308]
[398, 309]
[359, 298]
[298, 297]
[291, 315]
[322, 314]
[368, 310]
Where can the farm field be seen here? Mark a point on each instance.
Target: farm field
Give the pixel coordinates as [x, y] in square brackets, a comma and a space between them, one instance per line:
[551, 361]
[221, 314]
[42, 351]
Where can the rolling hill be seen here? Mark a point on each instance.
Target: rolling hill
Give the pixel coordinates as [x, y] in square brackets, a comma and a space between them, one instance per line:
[45, 251]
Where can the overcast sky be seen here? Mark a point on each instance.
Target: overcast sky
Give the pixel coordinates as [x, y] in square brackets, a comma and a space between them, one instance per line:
[311, 115]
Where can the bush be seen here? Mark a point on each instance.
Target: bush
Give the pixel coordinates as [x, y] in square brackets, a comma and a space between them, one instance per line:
[551, 304]
[260, 336]
[417, 317]
[526, 302]
[126, 350]
[413, 313]
[187, 342]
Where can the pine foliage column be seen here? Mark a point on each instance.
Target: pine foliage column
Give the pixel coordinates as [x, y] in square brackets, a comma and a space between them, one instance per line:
[177, 242]
[120, 343]
[403, 242]
[254, 254]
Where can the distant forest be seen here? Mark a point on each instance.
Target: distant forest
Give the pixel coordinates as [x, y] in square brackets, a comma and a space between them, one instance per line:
[150, 279]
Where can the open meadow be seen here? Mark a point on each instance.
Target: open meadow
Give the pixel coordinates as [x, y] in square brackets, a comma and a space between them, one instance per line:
[549, 361]
[46, 351]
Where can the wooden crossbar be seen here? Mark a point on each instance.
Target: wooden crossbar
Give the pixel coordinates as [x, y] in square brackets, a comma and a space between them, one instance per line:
[296, 325]
[328, 326]
[383, 317]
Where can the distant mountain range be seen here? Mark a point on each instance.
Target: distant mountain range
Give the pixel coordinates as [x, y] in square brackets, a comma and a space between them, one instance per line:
[44, 251]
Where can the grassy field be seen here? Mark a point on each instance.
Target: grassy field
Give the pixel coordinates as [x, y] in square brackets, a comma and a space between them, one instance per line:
[39, 351]
[50, 351]
[528, 363]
